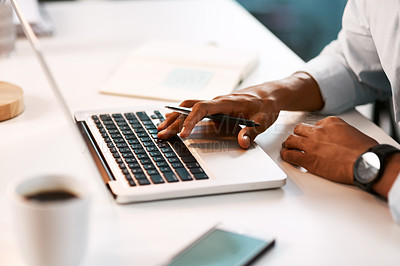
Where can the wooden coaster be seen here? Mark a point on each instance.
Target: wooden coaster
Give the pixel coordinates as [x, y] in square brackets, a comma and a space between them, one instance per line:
[11, 101]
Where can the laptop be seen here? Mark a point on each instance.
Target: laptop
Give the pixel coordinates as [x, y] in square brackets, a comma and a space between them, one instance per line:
[136, 166]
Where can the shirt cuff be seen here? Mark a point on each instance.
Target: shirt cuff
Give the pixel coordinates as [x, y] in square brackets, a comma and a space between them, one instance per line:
[394, 200]
[335, 82]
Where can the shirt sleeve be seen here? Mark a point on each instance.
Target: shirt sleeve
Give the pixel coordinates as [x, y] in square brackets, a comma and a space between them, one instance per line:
[394, 200]
[348, 71]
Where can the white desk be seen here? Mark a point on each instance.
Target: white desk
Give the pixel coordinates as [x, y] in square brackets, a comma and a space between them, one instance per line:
[316, 222]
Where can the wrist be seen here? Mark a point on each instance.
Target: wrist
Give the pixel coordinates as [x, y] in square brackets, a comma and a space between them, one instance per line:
[298, 92]
[390, 174]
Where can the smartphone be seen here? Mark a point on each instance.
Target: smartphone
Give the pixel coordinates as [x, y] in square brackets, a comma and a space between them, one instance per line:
[222, 246]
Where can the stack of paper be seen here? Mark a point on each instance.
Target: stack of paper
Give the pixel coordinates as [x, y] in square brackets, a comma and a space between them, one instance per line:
[171, 70]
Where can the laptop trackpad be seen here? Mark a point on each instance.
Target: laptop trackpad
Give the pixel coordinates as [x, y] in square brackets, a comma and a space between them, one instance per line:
[217, 146]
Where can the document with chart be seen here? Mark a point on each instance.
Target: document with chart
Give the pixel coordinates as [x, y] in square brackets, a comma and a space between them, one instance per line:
[172, 70]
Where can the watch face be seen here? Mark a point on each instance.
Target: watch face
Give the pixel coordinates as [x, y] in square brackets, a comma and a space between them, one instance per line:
[367, 167]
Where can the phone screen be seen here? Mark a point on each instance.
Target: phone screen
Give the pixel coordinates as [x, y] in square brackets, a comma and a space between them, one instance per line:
[220, 247]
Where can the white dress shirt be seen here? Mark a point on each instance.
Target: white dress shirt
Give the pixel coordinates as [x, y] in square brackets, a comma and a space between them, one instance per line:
[363, 64]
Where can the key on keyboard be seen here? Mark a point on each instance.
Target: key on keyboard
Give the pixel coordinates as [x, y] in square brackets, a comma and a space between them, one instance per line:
[141, 156]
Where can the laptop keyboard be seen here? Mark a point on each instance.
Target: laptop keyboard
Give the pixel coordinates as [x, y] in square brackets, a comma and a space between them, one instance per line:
[142, 157]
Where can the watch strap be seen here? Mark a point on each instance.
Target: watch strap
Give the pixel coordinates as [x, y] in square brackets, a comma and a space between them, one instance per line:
[383, 151]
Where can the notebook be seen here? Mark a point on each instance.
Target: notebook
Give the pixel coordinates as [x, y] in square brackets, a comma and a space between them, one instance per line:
[137, 167]
[178, 70]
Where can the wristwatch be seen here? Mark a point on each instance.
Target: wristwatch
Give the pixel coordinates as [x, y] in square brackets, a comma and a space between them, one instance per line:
[369, 167]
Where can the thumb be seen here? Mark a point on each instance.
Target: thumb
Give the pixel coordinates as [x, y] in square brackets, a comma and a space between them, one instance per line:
[246, 136]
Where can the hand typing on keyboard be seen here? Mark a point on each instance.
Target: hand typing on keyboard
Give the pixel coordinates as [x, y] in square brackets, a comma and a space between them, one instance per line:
[141, 156]
[244, 104]
[261, 103]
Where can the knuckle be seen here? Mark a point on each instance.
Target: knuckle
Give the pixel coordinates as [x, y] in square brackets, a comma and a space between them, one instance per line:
[283, 153]
[289, 139]
[311, 130]
[188, 103]
[299, 126]
[220, 97]
[332, 119]
[185, 103]
[286, 155]
[199, 107]
[225, 100]
[296, 128]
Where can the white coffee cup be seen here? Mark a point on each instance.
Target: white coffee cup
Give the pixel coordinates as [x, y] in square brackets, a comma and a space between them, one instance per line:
[51, 232]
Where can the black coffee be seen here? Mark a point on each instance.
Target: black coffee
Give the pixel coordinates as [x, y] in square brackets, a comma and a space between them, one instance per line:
[54, 195]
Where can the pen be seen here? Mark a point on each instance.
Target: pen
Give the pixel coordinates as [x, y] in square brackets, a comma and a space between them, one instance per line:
[217, 117]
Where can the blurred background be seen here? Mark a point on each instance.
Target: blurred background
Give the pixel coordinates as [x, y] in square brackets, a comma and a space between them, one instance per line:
[306, 26]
